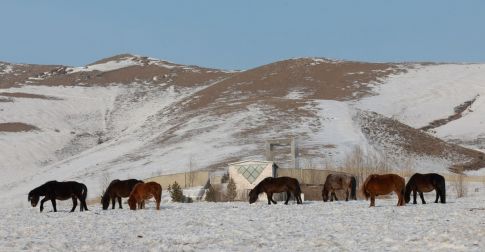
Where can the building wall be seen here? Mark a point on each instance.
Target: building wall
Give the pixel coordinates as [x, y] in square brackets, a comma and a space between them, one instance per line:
[185, 180]
[243, 186]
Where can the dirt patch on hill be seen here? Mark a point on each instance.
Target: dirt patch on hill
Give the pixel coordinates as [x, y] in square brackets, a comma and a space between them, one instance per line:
[27, 95]
[414, 141]
[147, 71]
[306, 78]
[457, 115]
[20, 74]
[16, 127]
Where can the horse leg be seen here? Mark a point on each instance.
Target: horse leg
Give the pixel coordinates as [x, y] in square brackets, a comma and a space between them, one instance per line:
[437, 195]
[298, 199]
[158, 199]
[372, 200]
[422, 197]
[119, 202]
[288, 194]
[400, 199]
[113, 202]
[74, 204]
[270, 198]
[347, 195]
[334, 195]
[414, 197]
[53, 200]
[42, 203]
[83, 203]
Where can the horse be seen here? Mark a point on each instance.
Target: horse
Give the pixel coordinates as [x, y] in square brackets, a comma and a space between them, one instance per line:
[118, 189]
[271, 185]
[53, 190]
[144, 191]
[376, 185]
[339, 182]
[425, 183]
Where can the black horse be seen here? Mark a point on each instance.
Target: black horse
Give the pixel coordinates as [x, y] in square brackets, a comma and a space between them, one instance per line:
[271, 185]
[118, 189]
[53, 190]
[425, 183]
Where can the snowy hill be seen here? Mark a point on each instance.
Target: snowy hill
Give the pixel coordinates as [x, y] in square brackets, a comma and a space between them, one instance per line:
[132, 116]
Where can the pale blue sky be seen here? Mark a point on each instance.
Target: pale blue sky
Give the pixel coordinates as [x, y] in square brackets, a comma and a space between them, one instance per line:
[242, 35]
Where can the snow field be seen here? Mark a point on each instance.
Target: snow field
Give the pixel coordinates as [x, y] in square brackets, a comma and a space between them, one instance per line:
[458, 225]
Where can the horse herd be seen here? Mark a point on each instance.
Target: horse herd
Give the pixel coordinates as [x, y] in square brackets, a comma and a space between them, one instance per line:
[138, 191]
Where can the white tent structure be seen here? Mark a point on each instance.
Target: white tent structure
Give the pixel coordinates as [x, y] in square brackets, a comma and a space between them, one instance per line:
[247, 174]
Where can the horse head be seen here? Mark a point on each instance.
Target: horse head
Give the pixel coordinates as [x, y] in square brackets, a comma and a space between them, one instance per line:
[253, 196]
[132, 203]
[407, 193]
[105, 201]
[325, 194]
[33, 198]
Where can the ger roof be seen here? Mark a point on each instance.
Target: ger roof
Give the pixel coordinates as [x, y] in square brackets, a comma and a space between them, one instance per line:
[251, 161]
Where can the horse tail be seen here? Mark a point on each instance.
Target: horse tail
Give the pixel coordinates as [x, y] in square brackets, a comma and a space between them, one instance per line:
[84, 196]
[298, 192]
[353, 184]
[442, 188]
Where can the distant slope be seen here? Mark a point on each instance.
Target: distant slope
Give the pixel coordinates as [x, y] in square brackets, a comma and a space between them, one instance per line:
[449, 95]
[133, 116]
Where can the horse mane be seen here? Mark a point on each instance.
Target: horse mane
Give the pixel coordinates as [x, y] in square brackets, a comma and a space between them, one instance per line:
[41, 189]
[258, 187]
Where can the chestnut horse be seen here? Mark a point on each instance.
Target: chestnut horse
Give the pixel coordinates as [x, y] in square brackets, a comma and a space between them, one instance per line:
[376, 185]
[144, 191]
[339, 182]
[425, 183]
[271, 185]
[118, 189]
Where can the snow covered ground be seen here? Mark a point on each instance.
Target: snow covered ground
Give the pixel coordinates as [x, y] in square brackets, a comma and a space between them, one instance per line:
[458, 225]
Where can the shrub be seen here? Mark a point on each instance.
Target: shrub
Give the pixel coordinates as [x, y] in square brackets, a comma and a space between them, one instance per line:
[459, 185]
[176, 192]
[231, 190]
[210, 196]
[225, 178]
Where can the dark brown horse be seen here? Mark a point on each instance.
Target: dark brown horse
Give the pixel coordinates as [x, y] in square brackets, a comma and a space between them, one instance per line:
[425, 183]
[144, 191]
[339, 182]
[118, 189]
[53, 190]
[376, 185]
[271, 185]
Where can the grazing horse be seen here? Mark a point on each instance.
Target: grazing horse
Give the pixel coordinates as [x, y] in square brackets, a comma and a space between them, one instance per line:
[339, 182]
[271, 185]
[425, 183]
[144, 191]
[376, 185]
[53, 190]
[118, 189]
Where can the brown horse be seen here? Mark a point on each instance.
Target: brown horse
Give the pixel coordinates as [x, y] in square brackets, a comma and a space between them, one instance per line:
[144, 191]
[339, 182]
[118, 189]
[271, 185]
[425, 183]
[376, 185]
